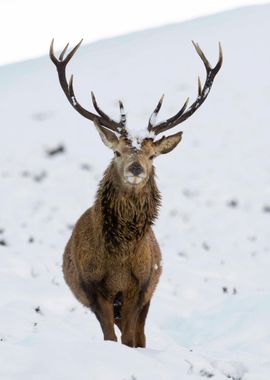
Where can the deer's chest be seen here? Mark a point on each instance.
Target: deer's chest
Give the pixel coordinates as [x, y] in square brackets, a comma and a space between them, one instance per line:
[128, 273]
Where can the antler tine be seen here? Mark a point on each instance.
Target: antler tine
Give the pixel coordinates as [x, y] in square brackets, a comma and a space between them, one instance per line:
[203, 92]
[99, 110]
[72, 52]
[71, 91]
[162, 127]
[153, 117]
[105, 116]
[199, 86]
[220, 59]
[51, 53]
[68, 89]
[202, 56]
[61, 56]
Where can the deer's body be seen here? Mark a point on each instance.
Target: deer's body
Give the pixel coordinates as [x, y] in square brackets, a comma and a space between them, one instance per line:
[113, 252]
[112, 262]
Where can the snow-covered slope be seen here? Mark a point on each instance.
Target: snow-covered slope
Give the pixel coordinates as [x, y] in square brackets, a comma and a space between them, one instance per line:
[210, 314]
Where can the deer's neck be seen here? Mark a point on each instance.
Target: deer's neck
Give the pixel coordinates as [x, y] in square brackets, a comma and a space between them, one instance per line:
[125, 215]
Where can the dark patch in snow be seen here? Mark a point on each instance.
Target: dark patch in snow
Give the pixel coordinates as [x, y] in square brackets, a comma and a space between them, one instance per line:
[57, 150]
[205, 246]
[38, 310]
[40, 177]
[85, 166]
[189, 193]
[205, 373]
[233, 203]
[31, 239]
[266, 209]
[41, 116]
[70, 226]
[226, 290]
[3, 243]
[182, 254]
[2, 230]
[37, 177]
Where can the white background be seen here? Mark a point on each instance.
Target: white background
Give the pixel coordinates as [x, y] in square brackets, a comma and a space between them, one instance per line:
[26, 27]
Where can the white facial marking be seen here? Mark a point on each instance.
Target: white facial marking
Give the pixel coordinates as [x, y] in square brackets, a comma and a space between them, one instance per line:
[133, 180]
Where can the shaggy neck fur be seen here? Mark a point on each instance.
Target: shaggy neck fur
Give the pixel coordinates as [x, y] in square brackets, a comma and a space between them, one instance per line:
[126, 214]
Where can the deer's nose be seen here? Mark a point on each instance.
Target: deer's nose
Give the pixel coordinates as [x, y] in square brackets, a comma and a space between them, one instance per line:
[135, 168]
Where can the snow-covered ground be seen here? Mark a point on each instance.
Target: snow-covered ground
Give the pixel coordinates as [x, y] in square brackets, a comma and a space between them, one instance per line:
[210, 314]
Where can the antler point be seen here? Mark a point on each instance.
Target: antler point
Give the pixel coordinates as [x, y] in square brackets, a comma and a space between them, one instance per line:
[93, 99]
[220, 50]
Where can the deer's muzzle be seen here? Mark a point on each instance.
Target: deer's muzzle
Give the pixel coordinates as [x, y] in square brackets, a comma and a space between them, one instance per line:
[136, 169]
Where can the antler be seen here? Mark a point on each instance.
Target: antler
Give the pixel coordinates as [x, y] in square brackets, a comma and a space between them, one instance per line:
[184, 114]
[102, 118]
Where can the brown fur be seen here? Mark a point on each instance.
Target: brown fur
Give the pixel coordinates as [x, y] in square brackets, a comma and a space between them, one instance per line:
[112, 262]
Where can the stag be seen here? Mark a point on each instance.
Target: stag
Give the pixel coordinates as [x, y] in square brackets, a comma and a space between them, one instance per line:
[112, 261]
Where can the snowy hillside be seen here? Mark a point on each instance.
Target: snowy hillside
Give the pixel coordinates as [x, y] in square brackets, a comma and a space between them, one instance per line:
[210, 314]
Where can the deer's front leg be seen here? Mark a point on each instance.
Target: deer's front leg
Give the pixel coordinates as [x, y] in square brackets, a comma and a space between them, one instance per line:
[129, 316]
[104, 313]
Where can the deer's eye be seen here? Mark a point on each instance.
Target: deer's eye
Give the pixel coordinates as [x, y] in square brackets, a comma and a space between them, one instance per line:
[152, 157]
[117, 154]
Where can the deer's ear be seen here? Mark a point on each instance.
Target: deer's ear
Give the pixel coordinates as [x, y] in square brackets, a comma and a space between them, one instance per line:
[108, 137]
[167, 144]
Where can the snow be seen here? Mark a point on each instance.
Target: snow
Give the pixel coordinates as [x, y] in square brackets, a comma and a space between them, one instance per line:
[209, 317]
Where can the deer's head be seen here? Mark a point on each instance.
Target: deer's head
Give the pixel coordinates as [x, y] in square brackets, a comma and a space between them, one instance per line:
[134, 165]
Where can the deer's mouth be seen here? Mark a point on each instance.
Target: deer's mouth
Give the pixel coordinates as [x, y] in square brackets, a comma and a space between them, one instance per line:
[134, 180]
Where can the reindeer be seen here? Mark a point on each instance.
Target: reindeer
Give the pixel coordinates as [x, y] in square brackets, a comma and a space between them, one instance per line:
[112, 262]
